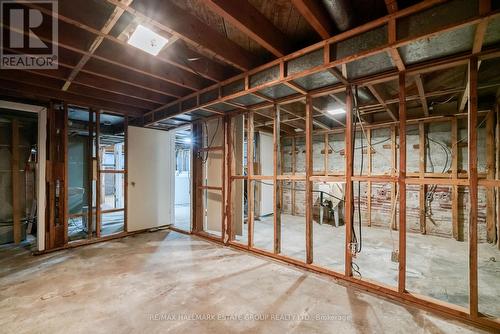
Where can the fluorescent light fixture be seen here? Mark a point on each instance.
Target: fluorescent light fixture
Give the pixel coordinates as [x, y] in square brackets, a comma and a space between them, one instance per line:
[338, 111]
[147, 40]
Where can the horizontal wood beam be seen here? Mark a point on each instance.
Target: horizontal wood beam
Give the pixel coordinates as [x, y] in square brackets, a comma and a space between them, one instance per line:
[316, 16]
[54, 80]
[40, 92]
[71, 38]
[110, 23]
[178, 55]
[247, 19]
[425, 66]
[168, 17]
[380, 100]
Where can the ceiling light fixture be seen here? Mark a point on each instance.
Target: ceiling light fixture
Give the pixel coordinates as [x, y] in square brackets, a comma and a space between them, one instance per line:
[338, 111]
[147, 40]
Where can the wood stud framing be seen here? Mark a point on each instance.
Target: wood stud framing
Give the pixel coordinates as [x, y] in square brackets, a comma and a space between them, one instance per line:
[473, 189]
[399, 177]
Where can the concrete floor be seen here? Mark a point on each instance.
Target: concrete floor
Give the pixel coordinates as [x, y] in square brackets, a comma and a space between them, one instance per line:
[436, 267]
[146, 283]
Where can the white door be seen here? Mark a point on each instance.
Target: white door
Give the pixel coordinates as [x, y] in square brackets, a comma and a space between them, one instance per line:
[150, 184]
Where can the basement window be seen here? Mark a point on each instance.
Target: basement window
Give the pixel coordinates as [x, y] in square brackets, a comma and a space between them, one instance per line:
[147, 40]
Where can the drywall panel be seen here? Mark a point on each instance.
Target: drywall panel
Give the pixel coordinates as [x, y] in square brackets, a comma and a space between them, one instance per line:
[267, 168]
[150, 187]
[213, 168]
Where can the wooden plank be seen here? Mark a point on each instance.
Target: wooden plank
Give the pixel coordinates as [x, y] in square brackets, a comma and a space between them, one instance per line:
[90, 173]
[497, 170]
[230, 148]
[491, 232]
[394, 153]
[484, 8]
[251, 183]
[326, 150]
[421, 93]
[98, 194]
[16, 182]
[457, 228]
[247, 19]
[197, 207]
[392, 6]
[402, 184]
[277, 184]
[421, 167]
[369, 183]
[443, 62]
[65, 176]
[168, 17]
[309, 169]
[348, 183]
[473, 189]
[110, 23]
[380, 100]
[293, 173]
[13, 87]
[316, 16]
[171, 54]
[393, 51]
[340, 75]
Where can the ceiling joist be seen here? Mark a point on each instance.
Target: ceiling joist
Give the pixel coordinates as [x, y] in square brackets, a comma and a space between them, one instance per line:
[178, 22]
[110, 23]
[316, 16]
[247, 19]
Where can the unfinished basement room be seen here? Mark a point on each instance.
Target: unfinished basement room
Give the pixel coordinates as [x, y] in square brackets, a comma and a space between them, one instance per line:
[250, 166]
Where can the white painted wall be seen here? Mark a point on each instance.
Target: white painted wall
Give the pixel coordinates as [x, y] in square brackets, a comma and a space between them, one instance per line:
[150, 178]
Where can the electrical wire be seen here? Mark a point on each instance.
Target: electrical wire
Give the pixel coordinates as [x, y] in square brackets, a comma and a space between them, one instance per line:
[208, 145]
[299, 189]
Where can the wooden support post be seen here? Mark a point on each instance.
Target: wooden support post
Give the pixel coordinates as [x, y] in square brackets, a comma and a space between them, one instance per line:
[65, 166]
[16, 185]
[421, 168]
[197, 208]
[348, 182]
[369, 186]
[491, 232]
[393, 173]
[309, 169]
[457, 227]
[497, 170]
[125, 176]
[293, 173]
[473, 191]
[277, 183]
[223, 222]
[98, 167]
[327, 148]
[402, 182]
[227, 228]
[250, 185]
[56, 153]
[90, 176]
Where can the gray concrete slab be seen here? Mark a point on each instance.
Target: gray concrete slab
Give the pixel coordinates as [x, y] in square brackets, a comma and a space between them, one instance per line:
[161, 282]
